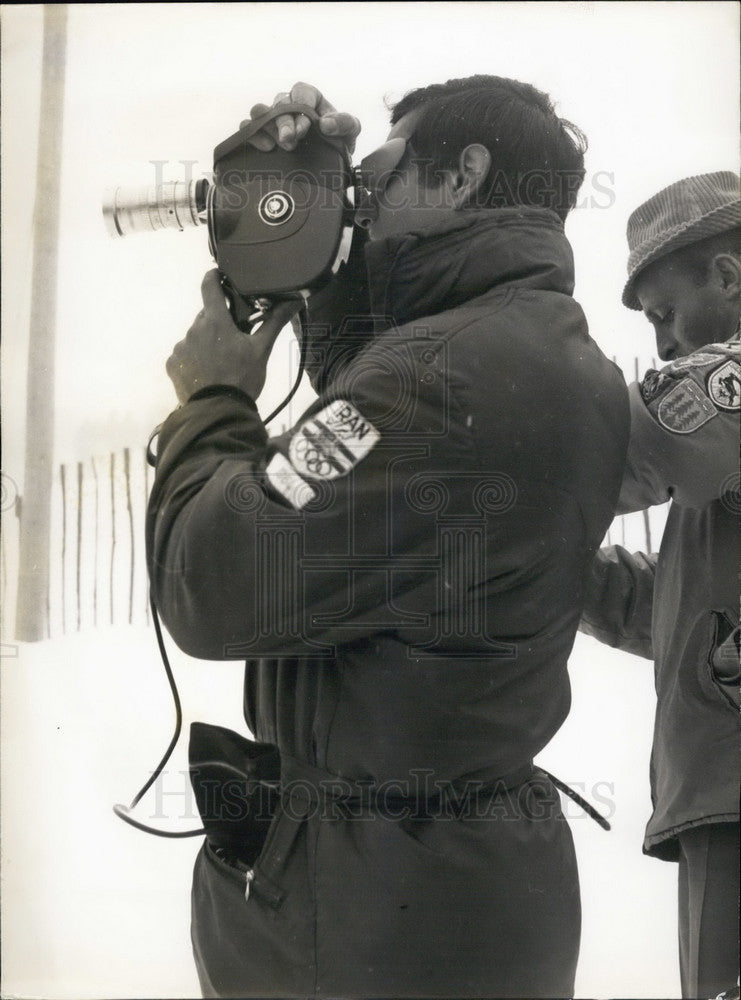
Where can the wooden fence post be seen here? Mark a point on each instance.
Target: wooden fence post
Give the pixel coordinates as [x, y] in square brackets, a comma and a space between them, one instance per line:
[35, 518]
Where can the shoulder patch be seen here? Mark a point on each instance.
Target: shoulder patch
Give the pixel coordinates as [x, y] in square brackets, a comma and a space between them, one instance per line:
[283, 477]
[724, 385]
[653, 384]
[700, 359]
[331, 442]
[728, 346]
[685, 408]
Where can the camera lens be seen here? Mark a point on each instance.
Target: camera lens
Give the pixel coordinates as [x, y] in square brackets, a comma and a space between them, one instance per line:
[170, 205]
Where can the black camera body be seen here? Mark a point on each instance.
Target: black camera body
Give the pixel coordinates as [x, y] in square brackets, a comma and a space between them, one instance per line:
[279, 223]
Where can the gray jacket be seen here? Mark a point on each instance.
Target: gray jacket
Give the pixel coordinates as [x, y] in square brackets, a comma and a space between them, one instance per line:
[681, 607]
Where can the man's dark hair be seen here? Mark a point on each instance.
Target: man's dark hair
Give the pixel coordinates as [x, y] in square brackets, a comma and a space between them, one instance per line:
[537, 157]
[695, 260]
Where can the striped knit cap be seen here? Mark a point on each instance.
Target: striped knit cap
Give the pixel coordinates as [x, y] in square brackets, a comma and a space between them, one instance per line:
[683, 213]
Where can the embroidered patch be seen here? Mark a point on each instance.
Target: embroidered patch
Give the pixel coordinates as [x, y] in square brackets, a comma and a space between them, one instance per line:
[700, 359]
[653, 384]
[284, 478]
[729, 346]
[724, 386]
[685, 408]
[331, 442]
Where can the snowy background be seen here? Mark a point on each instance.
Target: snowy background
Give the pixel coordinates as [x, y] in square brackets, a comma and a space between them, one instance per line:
[92, 908]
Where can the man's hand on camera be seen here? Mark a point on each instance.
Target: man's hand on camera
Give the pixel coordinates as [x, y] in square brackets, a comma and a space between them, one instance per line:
[286, 130]
[216, 352]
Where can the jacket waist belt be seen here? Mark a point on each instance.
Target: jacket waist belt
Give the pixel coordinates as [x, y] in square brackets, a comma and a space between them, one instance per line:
[306, 788]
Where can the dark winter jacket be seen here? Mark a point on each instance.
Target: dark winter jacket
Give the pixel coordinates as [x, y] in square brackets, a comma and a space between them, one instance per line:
[404, 569]
[681, 608]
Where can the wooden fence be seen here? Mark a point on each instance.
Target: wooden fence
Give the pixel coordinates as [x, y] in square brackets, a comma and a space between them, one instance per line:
[97, 561]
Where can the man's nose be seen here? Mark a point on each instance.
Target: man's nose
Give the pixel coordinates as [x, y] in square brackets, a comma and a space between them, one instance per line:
[365, 216]
[666, 345]
[366, 201]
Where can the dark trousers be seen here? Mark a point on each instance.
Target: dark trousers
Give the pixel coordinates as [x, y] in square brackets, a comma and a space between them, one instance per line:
[709, 909]
[482, 906]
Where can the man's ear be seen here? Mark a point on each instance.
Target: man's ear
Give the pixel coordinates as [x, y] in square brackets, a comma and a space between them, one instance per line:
[725, 271]
[473, 169]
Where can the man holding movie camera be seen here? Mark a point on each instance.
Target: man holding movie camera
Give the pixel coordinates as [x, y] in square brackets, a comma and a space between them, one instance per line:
[403, 569]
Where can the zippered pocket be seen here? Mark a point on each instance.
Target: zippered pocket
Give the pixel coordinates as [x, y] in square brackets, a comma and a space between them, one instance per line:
[245, 876]
[264, 876]
[233, 867]
[722, 663]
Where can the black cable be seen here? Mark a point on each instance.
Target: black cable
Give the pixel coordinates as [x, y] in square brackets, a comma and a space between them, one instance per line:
[123, 811]
[297, 383]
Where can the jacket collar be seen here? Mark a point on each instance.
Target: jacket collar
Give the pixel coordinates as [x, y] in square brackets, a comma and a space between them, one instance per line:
[441, 266]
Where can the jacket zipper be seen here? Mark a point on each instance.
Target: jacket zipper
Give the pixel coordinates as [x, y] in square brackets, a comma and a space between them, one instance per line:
[248, 877]
[239, 870]
[235, 867]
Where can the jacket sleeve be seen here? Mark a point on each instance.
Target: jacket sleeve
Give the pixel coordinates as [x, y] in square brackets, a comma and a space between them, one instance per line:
[684, 440]
[291, 545]
[619, 600]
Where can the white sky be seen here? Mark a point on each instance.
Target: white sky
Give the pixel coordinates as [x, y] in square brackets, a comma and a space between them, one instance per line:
[655, 87]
